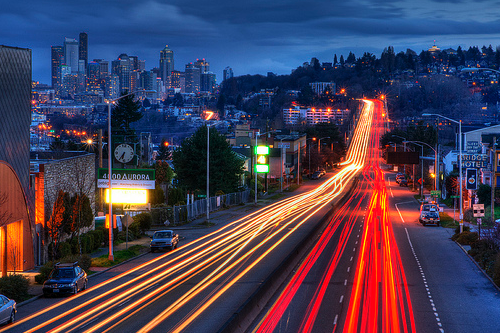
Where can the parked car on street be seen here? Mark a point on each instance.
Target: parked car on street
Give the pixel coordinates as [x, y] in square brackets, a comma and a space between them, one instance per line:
[8, 309]
[65, 279]
[429, 217]
[316, 175]
[164, 239]
[403, 182]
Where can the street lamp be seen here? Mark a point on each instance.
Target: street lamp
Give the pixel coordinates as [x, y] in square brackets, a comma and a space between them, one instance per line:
[435, 158]
[459, 122]
[404, 148]
[255, 161]
[309, 155]
[110, 256]
[319, 143]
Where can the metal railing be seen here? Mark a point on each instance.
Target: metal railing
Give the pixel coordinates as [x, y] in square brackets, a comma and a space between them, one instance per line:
[182, 214]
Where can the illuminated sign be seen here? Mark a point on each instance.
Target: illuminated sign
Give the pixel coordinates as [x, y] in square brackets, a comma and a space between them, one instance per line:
[127, 196]
[262, 159]
[127, 178]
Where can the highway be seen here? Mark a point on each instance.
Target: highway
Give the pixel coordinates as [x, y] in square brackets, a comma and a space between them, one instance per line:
[198, 286]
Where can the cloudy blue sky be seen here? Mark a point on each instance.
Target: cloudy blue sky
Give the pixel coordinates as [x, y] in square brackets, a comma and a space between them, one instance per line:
[251, 36]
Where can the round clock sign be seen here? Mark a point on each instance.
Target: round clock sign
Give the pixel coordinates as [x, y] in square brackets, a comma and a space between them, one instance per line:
[124, 153]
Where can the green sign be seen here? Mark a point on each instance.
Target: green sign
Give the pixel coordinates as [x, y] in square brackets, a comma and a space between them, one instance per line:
[435, 193]
[262, 153]
[127, 178]
[455, 196]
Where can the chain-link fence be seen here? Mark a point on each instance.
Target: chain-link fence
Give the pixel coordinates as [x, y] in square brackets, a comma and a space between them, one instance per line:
[182, 214]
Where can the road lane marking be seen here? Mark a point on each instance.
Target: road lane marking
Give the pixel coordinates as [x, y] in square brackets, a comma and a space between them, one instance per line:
[438, 320]
[335, 320]
[401, 203]
[341, 298]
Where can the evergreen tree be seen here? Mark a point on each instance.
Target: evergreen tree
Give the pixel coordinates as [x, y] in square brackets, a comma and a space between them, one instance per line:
[351, 58]
[335, 59]
[163, 151]
[342, 62]
[190, 163]
[123, 114]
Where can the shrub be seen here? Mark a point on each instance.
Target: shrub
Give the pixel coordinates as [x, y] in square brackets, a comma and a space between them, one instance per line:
[466, 238]
[496, 270]
[134, 229]
[15, 286]
[484, 252]
[84, 260]
[145, 221]
[44, 272]
[64, 249]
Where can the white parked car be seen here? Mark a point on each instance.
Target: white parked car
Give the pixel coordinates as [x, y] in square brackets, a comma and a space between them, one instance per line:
[7, 310]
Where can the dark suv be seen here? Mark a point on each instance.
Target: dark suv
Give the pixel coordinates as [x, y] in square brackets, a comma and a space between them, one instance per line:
[65, 279]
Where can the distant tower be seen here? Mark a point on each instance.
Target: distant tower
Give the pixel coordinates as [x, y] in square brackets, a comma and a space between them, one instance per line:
[203, 65]
[121, 68]
[227, 73]
[166, 64]
[57, 59]
[71, 54]
[192, 78]
[83, 50]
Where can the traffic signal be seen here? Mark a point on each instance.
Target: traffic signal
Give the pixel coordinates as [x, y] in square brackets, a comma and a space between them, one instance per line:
[262, 153]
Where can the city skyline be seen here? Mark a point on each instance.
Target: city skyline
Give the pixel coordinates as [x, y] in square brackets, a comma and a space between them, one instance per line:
[250, 37]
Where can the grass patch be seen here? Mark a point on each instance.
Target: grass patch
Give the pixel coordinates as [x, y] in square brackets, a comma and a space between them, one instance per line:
[447, 221]
[276, 196]
[292, 187]
[207, 224]
[119, 256]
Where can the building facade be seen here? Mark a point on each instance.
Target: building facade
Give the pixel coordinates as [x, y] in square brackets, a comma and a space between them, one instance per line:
[166, 64]
[16, 194]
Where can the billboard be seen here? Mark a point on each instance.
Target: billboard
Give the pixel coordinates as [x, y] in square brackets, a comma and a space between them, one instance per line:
[402, 157]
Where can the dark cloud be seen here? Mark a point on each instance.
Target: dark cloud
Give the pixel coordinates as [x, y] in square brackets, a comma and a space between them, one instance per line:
[253, 36]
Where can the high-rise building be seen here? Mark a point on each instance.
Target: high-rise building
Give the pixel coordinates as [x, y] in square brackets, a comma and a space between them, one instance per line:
[227, 73]
[166, 64]
[57, 59]
[207, 83]
[103, 66]
[94, 82]
[121, 68]
[192, 78]
[71, 54]
[147, 80]
[176, 81]
[203, 65]
[83, 50]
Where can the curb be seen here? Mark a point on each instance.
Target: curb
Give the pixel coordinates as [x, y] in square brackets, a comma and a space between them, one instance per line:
[477, 265]
[88, 277]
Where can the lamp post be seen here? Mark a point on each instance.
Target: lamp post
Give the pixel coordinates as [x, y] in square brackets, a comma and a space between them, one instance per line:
[404, 149]
[281, 165]
[255, 161]
[319, 143]
[208, 172]
[309, 155]
[110, 171]
[459, 122]
[435, 158]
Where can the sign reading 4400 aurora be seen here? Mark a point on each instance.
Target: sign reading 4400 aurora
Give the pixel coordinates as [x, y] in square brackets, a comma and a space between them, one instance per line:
[127, 178]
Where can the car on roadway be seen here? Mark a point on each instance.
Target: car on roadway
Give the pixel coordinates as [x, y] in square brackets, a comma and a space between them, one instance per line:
[316, 175]
[322, 171]
[428, 207]
[164, 239]
[65, 278]
[403, 182]
[399, 176]
[429, 217]
[8, 309]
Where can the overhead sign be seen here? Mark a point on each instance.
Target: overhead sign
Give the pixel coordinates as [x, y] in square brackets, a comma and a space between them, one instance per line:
[478, 210]
[402, 157]
[471, 179]
[127, 178]
[474, 160]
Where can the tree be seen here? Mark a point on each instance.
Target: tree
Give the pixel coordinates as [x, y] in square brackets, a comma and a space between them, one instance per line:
[123, 114]
[163, 151]
[190, 163]
[221, 103]
[164, 175]
[58, 219]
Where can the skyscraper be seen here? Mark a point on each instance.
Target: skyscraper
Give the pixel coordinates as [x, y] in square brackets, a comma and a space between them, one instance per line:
[203, 65]
[57, 59]
[227, 73]
[121, 68]
[192, 78]
[71, 54]
[83, 49]
[166, 64]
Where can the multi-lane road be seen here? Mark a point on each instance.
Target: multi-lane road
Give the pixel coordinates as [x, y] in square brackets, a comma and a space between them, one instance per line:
[367, 267]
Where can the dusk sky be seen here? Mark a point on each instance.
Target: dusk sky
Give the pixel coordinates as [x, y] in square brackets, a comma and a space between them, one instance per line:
[253, 36]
